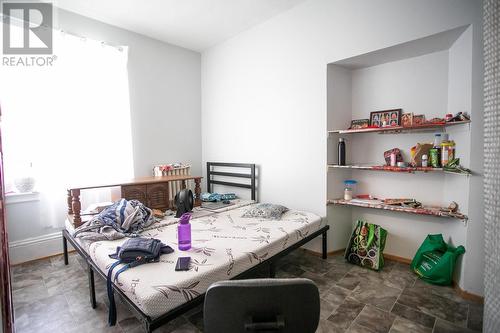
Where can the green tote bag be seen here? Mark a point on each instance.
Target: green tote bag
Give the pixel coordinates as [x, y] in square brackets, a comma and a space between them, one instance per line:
[366, 246]
[435, 260]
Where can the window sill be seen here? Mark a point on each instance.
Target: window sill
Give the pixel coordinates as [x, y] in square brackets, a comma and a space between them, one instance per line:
[13, 198]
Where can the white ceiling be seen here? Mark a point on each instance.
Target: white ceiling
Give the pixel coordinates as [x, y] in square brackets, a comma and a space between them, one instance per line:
[193, 24]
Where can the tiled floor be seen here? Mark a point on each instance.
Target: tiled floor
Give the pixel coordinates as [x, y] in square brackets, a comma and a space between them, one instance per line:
[51, 297]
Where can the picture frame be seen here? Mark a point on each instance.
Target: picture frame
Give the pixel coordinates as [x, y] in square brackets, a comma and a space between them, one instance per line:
[407, 119]
[386, 118]
[359, 123]
[418, 120]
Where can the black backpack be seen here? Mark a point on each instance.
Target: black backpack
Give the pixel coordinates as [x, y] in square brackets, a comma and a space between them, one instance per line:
[134, 252]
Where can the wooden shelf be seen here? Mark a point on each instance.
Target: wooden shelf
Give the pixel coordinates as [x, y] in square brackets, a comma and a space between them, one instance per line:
[385, 168]
[377, 204]
[400, 129]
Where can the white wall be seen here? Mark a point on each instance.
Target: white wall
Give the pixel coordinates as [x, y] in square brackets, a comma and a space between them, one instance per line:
[165, 109]
[264, 91]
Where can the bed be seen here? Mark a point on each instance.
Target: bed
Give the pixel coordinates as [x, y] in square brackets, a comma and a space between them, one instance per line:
[225, 246]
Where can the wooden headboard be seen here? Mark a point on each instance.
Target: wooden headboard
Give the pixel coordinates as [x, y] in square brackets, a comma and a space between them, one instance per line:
[211, 174]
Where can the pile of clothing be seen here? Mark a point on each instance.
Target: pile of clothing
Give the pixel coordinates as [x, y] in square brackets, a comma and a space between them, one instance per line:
[125, 218]
[211, 197]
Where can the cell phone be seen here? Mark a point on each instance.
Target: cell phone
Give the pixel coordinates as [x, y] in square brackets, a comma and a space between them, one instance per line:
[183, 263]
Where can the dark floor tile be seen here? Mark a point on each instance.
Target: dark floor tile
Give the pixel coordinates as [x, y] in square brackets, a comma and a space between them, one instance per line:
[475, 318]
[325, 326]
[338, 270]
[26, 295]
[60, 282]
[402, 325]
[434, 305]
[186, 328]
[316, 265]
[349, 281]
[413, 315]
[376, 294]
[129, 324]
[336, 295]
[178, 324]
[48, 314]
[289, 270]
[26, 280]
[345, 314]
[197, 320]
[443, 291]
[400, 277]
[39, 267]
[326, 308]
[95, 325]
[356, 328]
[443, 326]
[388, 265]
[57, 262]
[321, 282]
[375, 319]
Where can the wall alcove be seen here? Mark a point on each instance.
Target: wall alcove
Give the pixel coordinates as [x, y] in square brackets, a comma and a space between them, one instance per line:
[430, 76]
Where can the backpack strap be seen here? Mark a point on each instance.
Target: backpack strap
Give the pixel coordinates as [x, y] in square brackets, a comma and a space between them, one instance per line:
[109, 279]
[111, 296]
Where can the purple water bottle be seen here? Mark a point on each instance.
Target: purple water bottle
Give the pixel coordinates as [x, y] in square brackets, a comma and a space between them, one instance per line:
[184, 232]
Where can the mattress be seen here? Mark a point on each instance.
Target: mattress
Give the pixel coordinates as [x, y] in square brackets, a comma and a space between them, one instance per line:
[224, 245]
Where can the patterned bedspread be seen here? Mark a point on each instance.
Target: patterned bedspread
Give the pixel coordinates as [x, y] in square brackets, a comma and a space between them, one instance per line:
[223, 246]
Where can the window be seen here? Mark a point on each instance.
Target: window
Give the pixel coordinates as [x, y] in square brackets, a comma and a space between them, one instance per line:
[70, 121]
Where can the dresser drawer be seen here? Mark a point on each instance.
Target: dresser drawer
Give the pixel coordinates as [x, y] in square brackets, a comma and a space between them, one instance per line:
[135, 192]
[157, 196]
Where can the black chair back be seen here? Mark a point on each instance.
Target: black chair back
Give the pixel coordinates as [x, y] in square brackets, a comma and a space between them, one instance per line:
[262, 305]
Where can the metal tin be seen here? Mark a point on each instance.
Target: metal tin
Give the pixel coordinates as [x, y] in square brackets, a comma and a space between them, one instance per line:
[434, 157]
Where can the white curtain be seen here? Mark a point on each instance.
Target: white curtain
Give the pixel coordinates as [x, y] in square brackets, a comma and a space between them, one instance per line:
[71, 121]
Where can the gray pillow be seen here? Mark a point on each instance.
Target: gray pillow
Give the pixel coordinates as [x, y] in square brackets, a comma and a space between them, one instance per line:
[266, 211]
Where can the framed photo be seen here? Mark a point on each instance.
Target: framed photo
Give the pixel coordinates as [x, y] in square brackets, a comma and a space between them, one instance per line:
[418, 119]
[359, 123]
[386, 118]
[407, 119]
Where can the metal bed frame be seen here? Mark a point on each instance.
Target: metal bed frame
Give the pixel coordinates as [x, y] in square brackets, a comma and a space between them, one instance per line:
[251, 176]
[149, 323]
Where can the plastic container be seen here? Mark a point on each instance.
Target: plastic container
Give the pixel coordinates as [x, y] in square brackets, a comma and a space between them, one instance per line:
[341, 151]
[425, 161]
[437, 140]
[349, 189]
[184, 232]
[447, 152]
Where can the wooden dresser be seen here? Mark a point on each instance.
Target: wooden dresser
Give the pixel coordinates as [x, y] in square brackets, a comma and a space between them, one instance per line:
[151, 191]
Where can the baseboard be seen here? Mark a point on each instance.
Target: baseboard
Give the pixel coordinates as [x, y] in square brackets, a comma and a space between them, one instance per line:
[35, 248]
[399, 259]
[467, 295]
